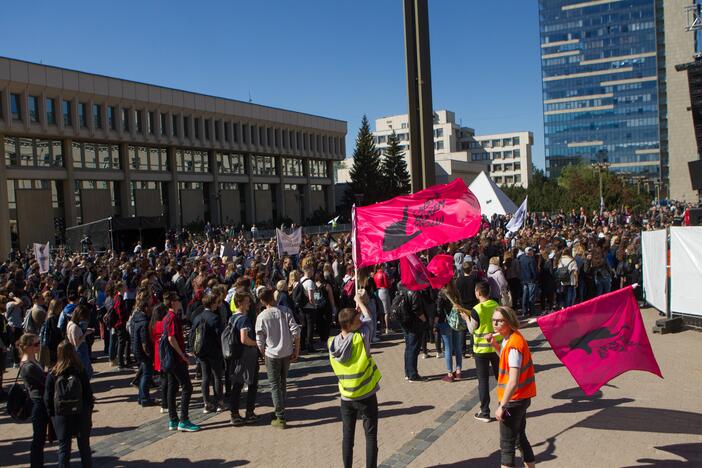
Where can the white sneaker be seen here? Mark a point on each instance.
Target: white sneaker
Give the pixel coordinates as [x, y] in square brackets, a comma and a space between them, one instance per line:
[164, 410]
[439, 355]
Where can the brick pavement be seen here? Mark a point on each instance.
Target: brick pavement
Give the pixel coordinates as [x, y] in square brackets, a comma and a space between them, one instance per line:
[638, 420]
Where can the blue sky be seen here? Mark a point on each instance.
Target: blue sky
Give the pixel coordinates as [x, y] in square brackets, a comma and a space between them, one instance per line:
[337, 58]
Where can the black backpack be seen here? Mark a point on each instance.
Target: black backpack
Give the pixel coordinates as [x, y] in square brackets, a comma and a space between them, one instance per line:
[321, 298]
[400, 309]
[299, 295]
[562, 273]
[232, 348]
[68, 394]
[19, 404]
[200, 339]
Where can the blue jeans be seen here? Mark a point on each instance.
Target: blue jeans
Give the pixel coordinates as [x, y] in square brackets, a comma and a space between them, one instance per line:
[452, 340]
[112, 344]
[147, 370]
[277, 370]
[528, 293]
[412, 344]
[569, 292]
[603, 284]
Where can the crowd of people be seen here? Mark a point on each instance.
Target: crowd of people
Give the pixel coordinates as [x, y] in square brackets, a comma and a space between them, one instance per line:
[221, 305]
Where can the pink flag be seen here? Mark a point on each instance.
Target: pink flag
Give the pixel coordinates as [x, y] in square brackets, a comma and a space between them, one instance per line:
[600, 339]
[409, 223]
[415, 276]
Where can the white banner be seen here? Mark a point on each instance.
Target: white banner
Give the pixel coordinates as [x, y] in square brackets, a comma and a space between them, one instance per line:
[653, 252]
[686, 270]
[42, 256]
[288, 244]
[517, 221]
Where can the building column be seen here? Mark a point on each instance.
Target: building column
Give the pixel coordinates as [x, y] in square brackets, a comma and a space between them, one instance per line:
[280, 193]
[306, 192]
[249, 192]
[70, 212]
[173, 191]
[5, 237]
[214, 195]
[331, 195]
[125, 193]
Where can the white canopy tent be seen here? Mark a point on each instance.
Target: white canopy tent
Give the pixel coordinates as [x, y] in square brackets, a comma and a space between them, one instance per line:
[492, 199]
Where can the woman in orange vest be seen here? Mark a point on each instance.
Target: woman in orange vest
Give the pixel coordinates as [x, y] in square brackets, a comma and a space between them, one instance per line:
[515, 386]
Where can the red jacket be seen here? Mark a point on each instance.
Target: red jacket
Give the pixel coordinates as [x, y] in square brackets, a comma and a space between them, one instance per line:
[156, 337]
[121, 309]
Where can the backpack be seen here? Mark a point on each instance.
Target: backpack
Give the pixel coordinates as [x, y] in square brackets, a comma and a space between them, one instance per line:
[320, 297]
[19, 404]
[166, 353]
[199, 339]
[299, 295]
[562, 273]
[231, 341]
[400, 309]
[68, 394]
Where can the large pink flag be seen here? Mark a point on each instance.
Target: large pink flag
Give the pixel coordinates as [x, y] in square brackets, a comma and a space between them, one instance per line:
[600, 339]
[415, 276]
[409, 223]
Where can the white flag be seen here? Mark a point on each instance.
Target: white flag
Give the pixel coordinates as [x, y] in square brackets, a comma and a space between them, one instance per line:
[41, 254]
[517, 221]
[333, 221]
[288, 244]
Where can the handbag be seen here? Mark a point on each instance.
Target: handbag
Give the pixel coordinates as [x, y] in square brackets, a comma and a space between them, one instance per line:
[455, 321]
[19, 405]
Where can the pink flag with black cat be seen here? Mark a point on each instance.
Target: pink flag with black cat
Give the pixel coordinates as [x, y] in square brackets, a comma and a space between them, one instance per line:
[600, 339]
[406, 224]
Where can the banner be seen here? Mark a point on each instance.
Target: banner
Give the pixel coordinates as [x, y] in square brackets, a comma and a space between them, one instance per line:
[600, 339]
[653, 255]
[42, 254]
[517, 221]
[406, 224]
[685, 270]
[415, 276]
[226, 250]
[288, 244]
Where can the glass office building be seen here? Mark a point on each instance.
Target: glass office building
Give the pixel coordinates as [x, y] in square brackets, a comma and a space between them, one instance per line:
[600, 70]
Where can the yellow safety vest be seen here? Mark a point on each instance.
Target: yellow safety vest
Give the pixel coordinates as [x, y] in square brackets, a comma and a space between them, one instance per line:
[359, 375]
[484, 311]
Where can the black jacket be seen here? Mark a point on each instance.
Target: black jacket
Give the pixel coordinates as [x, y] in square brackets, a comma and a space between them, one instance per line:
[213, 331]
[141, 338]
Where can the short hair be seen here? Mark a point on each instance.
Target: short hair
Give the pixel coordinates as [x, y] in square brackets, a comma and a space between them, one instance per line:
[482, 288]
[240, 297]
[266, 296]
[467, 267]
[509, 315]
[346, 317]
[170, 297]
[209, 300]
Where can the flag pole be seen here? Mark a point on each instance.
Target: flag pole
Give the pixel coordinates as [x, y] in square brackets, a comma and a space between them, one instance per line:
[353, 248]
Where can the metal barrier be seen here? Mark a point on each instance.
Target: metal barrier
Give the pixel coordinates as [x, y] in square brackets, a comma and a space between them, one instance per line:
[309, 230]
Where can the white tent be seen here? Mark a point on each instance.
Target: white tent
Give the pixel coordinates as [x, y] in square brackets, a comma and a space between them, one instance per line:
[492, 199]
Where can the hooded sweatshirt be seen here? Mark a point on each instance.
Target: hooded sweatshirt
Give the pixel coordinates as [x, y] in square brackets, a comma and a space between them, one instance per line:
[341, 348]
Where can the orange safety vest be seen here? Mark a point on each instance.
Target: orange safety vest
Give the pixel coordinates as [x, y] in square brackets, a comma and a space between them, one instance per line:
[526, 386]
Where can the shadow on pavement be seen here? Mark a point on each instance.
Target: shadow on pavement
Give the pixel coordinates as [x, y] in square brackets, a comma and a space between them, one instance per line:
[638, 419]
[491, 461]
[580, 406]
[332, 414]
[171, 463]
[692, 453]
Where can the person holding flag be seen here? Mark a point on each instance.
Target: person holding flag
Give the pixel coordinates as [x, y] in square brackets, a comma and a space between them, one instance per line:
[515, 385]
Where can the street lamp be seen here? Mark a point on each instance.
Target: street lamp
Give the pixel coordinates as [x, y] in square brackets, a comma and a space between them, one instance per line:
[601, 165]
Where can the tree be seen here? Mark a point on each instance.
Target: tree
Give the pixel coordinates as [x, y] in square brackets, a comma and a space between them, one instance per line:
[396, 177]
[366, 178]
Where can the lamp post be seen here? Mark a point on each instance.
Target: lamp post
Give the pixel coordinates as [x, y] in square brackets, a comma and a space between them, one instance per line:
[601, 164]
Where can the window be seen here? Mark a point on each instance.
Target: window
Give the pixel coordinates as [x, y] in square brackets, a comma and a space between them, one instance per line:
[150, 122]
[191, 161]
[439, 145]
[381, 139]
[439, 132]
[292, 167]
[318, 168]
[515, 140]
[262, 187]
[67, 118]
[245, 133]
[315, 188]
[29, 152]
[174, 124]
[82, 118]
[236, 129]
[217, 124]
[186, 127]
[137, 121]
[111, 124]
[197, 128]
[97, 115]
[50, 111]
[228, 186]
[290, 187]
[403, 125]
[125, 120]
[227, 129]
[15, 107]
[263, 165]
[208, 122]
[230, 163]
[517, 166]
[162, 117]
[33, 109]
[516, 153]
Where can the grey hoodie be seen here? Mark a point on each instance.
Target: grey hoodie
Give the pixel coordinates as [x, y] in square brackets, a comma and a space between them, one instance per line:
[341, 347]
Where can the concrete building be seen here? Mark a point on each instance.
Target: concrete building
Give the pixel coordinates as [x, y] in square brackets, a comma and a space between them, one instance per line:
[509, 155]
[78, 147]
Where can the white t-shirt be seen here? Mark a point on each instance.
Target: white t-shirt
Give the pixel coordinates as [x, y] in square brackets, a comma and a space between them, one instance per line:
[514, 358]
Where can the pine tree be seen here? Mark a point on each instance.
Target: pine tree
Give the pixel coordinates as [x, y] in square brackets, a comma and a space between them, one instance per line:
[366, 179]
[396, 177]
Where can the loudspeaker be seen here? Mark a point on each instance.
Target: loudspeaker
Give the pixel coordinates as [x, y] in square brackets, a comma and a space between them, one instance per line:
[695, 216]
[695, 168]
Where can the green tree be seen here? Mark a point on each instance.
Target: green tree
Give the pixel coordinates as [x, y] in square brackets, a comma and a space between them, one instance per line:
[396, 177]
[366, 178]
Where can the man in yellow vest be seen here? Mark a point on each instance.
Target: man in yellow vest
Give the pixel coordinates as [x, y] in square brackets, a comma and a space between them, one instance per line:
[480, 325]
[349, 354]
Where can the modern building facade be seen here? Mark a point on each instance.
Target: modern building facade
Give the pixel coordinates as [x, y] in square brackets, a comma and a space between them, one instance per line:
[459, 152]
[78, 147]
[607, 89]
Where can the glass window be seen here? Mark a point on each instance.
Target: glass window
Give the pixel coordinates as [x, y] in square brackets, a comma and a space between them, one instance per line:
[67, 117]
[163, 123]
[10, 151]
[263, 165]
[292, 167]
[111, 124]
[515, 140]
[142, 156]
[89, 155]
[137, 121]
[43, 149]
[197, 128]
[217, 124]
[15, 107]
[103, 157]
[230, 163]
[174, 124]
[50, 111]
[245, 133]
[26, 148]
[57, 153]
[318, 168]
[150, 122]
[97, 115]
[82, 109]
[33, 109]
[125, 120]
[76, 151]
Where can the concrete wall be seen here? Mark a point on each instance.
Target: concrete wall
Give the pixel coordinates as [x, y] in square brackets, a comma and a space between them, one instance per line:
[317, 201]
[95, 204]
[682, 146]
[292, 206]
[192, 205]
[263, 200]
[148, 202]
[34, 216]
[231, 206]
